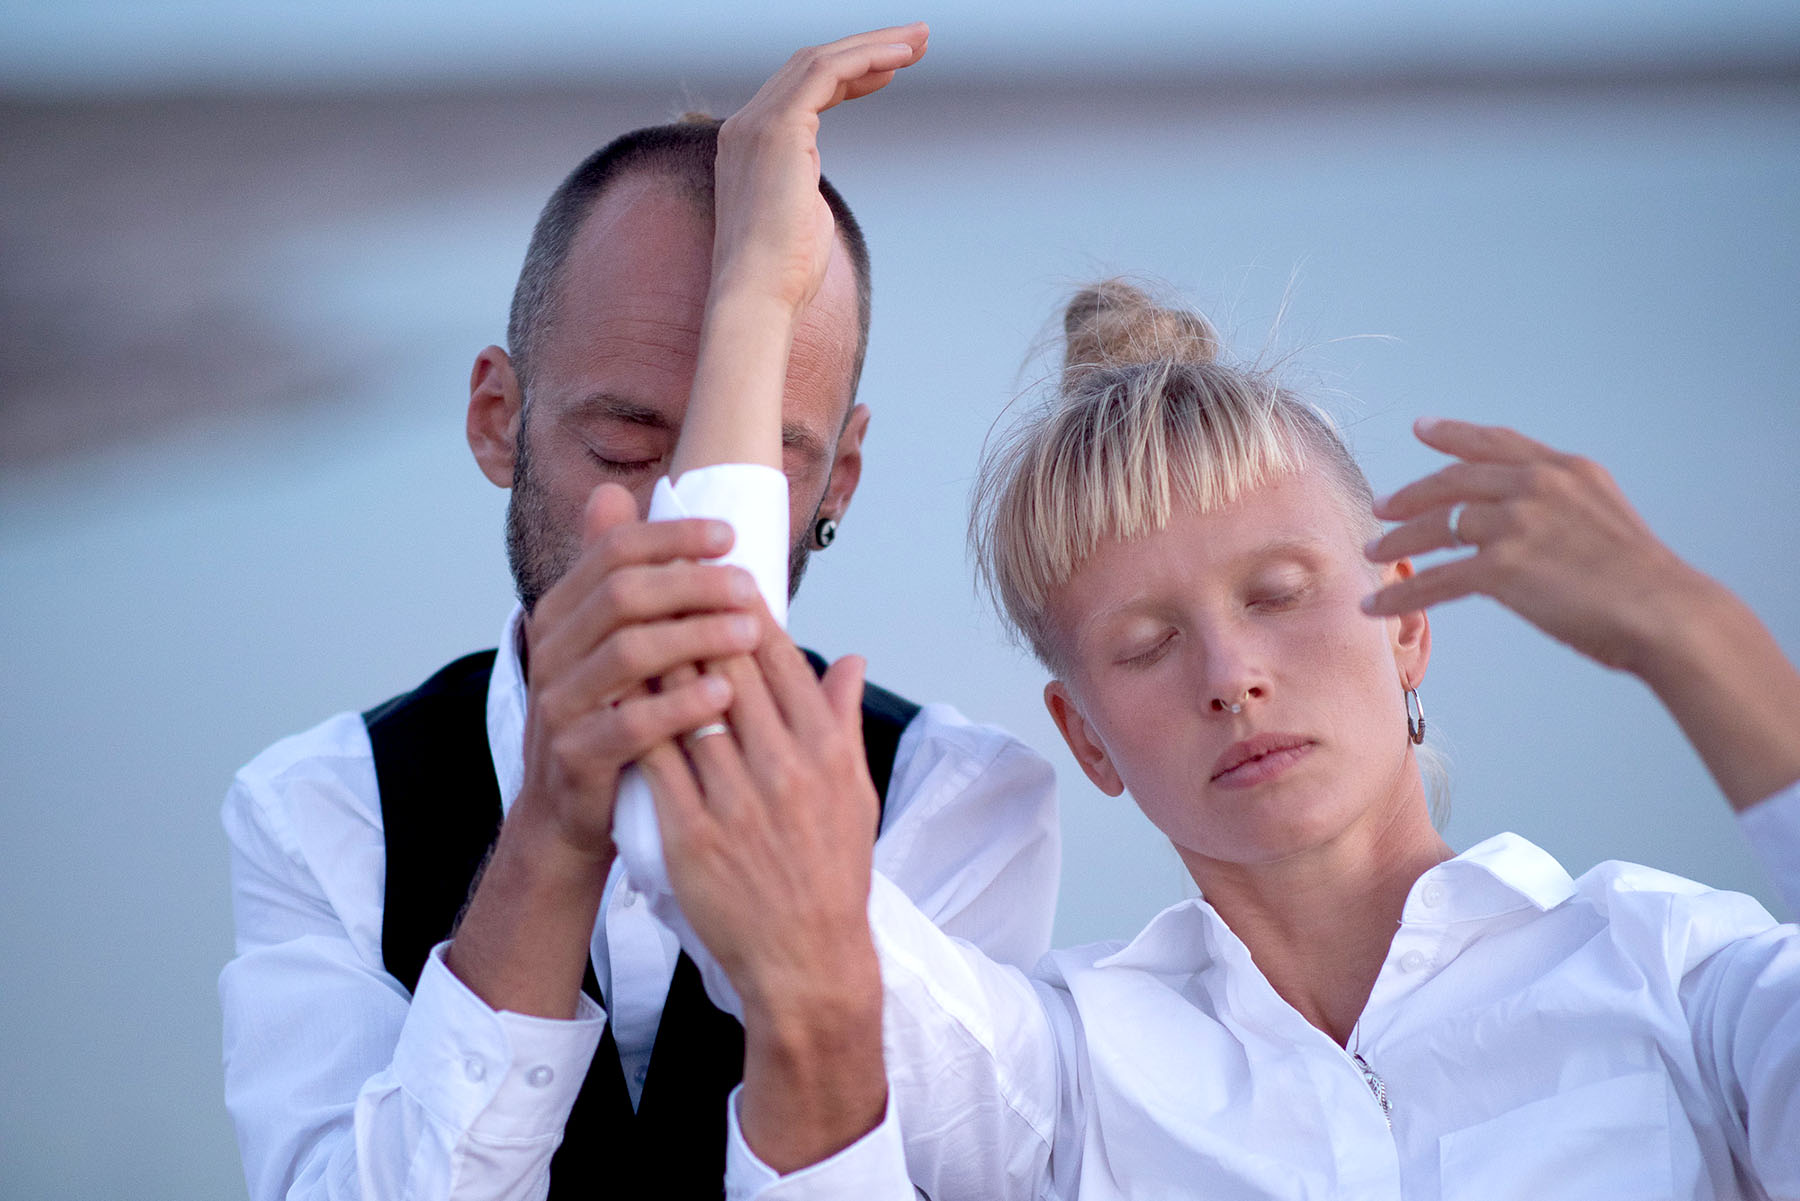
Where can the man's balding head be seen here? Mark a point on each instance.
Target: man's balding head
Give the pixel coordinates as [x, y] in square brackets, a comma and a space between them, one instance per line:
[683, 153]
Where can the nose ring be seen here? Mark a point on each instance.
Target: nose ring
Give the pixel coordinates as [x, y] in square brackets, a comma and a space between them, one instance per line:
[1238, 705]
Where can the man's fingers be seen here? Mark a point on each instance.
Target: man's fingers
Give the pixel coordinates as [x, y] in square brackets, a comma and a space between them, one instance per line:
[618, 667]
[843, 684]
[680, 810]
[608, 506]
[637, 596]
[619, 734]
[794, 688]
[634, 544]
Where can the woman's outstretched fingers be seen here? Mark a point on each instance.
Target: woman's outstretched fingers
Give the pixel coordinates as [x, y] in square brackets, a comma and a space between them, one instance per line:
[1421, 590]
[1478, 443]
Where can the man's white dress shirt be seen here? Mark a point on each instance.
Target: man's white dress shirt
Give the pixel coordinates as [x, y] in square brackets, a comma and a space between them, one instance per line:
[342, 1086]
[1626, 1035]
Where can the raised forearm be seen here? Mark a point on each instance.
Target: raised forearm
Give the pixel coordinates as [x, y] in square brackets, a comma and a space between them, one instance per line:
[1725, 680]
[734, 409]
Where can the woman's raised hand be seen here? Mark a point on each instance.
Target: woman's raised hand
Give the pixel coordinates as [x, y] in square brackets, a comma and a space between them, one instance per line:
[774, 228]
[772, 242]
[1554, 540]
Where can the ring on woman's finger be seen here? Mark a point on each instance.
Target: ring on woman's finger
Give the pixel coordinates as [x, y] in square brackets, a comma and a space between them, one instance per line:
[1455, 524]
[707, 731]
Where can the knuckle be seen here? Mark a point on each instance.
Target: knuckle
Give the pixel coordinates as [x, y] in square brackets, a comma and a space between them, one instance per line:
[632, 652]
[632, 725]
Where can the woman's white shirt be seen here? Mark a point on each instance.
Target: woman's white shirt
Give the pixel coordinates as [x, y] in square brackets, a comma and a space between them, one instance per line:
[1627, 1034]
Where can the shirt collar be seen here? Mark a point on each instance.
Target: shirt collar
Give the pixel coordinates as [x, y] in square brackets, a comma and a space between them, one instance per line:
[506, 710]
[1501, 875]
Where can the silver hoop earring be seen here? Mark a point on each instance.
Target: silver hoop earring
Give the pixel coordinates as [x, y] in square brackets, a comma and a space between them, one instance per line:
[824, 533]
[1415, 716]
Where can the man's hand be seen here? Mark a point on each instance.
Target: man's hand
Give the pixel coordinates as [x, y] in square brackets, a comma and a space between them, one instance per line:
[636, 605]
[769, 831]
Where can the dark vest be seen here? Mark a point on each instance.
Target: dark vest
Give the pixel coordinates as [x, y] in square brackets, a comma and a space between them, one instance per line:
[440, 806]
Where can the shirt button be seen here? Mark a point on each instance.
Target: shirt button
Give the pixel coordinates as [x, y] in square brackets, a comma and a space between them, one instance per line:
[1432, 894]
[475, 1069]
[639, 1075]
[1412, 961]
[539, 1076]
[631, 899]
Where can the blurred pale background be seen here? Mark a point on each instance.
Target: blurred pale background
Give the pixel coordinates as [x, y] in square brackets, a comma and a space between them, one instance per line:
[247, 253]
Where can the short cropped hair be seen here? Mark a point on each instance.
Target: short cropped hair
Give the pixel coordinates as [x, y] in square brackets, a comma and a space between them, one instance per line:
[683, 152]
[1145, 416]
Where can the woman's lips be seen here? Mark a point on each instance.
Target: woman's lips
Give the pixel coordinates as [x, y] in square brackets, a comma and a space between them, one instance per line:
[1255, 760]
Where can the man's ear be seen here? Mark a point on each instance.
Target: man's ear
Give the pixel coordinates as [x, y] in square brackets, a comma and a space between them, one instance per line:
[496, 404]
[846, 465]
[1410, 632]
[1083, 742]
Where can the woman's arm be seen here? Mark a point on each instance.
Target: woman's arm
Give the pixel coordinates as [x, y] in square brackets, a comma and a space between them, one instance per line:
[1556, 542]
[773, 236]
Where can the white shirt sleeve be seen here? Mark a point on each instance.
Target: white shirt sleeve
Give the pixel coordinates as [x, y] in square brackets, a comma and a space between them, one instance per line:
[1743, 1003]
[754, 499]
[973, 1077]
[970, 834]
[871, 1169]
[1773, 828]
[339, 1085]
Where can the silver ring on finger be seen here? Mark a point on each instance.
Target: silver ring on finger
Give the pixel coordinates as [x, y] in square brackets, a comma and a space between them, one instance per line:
[1455, 524]
[707, 731]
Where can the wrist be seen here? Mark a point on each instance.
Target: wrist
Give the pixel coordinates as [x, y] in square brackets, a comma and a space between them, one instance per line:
[814, 1078]
[537, 829]
[743, 296]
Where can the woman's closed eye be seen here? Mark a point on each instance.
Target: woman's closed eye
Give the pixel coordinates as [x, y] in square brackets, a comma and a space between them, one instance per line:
[1278, 596]
[1145, 652]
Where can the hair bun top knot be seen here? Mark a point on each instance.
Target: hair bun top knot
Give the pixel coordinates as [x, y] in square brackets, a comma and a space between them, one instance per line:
[1114, 324]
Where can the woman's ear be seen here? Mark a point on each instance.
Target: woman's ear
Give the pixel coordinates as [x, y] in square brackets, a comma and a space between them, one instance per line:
[1410, 632]
[496, 405]
[1083, 742]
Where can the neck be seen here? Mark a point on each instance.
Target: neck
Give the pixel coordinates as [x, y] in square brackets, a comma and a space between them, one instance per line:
[1319, 923]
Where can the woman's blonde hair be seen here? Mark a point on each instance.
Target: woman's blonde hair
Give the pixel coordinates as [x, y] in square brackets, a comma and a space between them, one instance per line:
[1145, 416]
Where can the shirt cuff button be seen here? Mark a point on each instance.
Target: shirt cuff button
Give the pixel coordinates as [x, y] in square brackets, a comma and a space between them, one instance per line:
[540, 1076]
[475, 1069]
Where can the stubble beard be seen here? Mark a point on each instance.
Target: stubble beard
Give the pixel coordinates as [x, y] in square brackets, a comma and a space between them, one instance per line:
[536, 553]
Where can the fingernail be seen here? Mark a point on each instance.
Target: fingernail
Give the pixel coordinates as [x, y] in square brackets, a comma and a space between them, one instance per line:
[1381, 502]
[743, 629]
[1370, 545]
[1368, 603]
[743, 587]
[718, 535]
[1425, 425]
[715, 688]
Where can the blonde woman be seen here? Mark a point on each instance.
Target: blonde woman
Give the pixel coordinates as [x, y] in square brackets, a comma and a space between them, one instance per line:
[1349, 1009]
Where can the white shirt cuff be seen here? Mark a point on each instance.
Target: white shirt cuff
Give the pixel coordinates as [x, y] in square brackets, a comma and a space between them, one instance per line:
[753, 499]
[873, 1168]
[500, 1074]
[1773, 828]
